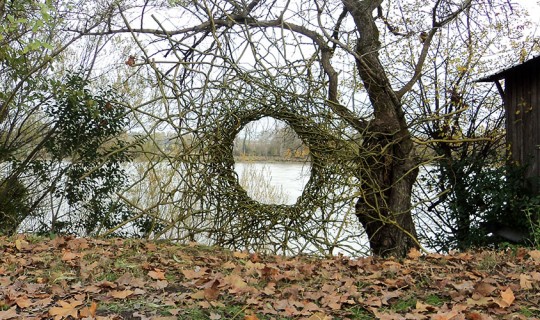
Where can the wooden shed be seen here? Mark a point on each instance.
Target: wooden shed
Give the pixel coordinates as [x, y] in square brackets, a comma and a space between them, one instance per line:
[521, 97]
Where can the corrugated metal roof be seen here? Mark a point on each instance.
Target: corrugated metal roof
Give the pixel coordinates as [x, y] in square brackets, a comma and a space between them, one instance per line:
[501, 74]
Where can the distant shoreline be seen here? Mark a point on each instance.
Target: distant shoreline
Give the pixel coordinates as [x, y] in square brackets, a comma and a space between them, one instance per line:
[269, 159]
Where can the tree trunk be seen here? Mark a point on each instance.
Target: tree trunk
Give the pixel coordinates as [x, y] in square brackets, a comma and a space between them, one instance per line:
[385, 206]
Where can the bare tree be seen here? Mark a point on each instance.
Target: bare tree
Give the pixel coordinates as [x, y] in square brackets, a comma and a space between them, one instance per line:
[320, 58]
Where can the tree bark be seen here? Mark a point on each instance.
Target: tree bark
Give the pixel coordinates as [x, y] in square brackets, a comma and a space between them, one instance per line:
[384, 208]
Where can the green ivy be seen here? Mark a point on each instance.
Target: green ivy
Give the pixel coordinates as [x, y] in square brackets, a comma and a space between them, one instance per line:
[84, 139]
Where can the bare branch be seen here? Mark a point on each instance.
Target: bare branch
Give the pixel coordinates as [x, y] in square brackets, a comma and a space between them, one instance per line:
[427, 43]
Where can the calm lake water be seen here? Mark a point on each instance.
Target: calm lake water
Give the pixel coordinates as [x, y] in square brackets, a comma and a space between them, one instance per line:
[289, 177]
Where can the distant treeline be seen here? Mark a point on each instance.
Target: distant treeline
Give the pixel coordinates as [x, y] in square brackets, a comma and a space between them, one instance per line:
[282, 144]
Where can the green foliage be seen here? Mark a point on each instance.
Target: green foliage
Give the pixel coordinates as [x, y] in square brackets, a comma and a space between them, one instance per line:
[23, 31]
[497, 198]
[14, 206]
[84, 141]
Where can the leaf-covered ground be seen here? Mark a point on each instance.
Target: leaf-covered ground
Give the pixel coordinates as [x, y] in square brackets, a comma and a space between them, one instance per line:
[74, 278]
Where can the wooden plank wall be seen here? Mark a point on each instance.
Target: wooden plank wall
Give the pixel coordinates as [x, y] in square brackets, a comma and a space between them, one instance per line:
[522, 101]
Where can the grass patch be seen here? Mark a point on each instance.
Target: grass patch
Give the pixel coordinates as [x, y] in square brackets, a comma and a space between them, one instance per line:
[404, 305]
[359, 313]
[529, 313]
[434, 300]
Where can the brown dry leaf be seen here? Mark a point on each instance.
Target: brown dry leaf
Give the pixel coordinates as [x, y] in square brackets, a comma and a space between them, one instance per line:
[507, 297]
[130, 61]
[160, 284]
[67, 309]
[22, 244]
[331, 301]
[157, 274]
[199, 295]
[535, 255]
[107, 284]
[525, 282]
[240, 255]
[120, 294]
[319, 316]
[463, 286]
[484, 289]
[194, 274]
[254, 265]
[414, 254]
[5, 281]
[389, 295]
[23, 302]
[236, 282]
[9, 314]
[474, 316]
[254, 257]
[211, 293]
[453, 314]
[89, 312]
[373, 302]
[483, 301]
[421, 307]
[214, 316]
[150, 246]
[270, 288]
[229, 265]
[78, 244]
[251, 317]
[68, 256]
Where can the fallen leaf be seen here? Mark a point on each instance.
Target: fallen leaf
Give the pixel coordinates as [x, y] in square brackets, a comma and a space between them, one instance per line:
[535, 255]
[484, 289]
[9, 314]
[319, 316]
[389, 295]
[525, 282]
[483, 301]
[157, 274]
[89, 312]
[373, 301]
[251, 317]
[236, 282]
[107, 284]
[240, 255]
[229, 265]
[212, 291]
[23, 302]
[464, 286]
[199, 295]
[214, 316]
[254, 257]
[68, 256]
[414, 254]
[474, 316]
[270, 288]
[422, 307]
[507, 298]
[194, 274]
[160, 284]
[120, 294]
[65, 310]
[22, 244]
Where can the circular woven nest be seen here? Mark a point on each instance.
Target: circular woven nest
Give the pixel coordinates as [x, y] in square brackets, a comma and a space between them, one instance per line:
[242, 222]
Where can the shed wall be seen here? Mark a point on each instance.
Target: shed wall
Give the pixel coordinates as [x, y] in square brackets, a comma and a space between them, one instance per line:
[522, 101]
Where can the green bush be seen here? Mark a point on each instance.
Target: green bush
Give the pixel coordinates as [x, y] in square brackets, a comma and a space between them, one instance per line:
[14, 205]
[506, 207]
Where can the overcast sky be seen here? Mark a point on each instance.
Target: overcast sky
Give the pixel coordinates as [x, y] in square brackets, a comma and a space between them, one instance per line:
[533, 6]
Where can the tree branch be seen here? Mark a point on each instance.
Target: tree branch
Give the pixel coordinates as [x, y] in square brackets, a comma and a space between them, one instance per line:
[427, 43]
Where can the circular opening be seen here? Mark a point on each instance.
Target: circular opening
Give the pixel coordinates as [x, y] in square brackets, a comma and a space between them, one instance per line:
[272, 162]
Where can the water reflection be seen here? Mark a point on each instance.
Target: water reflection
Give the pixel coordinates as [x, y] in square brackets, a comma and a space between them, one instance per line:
[273, 182]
